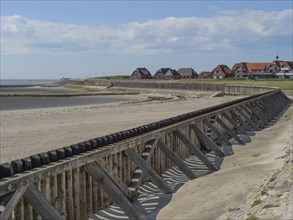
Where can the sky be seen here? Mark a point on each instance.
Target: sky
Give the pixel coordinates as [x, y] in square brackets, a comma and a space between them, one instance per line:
[80, 39]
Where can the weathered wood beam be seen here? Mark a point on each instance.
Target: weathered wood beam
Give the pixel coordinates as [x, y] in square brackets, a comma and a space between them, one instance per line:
[149, 171]
[252, 116]
[196, 151]
[237, 117]
[110, 187]
[122, 186]
[249, 121]
[229, 131]
[176, 160]
[10, 206]
[232, 122]
[216, 131]
[39, 203]
[214, 147]
[258, 113]
[139, 175]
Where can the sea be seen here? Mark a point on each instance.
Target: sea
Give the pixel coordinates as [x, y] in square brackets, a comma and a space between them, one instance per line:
[26, 82]
[36, 86]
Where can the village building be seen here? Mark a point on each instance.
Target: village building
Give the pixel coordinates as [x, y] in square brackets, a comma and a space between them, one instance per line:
[167, 73]
[205, 75]
[221, 71]
[275, 69]
[285, 70]
[187, 73]
[141, 73]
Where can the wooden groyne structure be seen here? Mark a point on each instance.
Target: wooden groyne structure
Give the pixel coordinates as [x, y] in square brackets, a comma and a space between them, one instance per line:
[75, 181]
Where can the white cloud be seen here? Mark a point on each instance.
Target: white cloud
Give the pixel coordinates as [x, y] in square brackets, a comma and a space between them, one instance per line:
[228, 29]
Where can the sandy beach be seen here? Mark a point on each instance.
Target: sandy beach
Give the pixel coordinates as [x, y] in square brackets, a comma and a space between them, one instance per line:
[255, 181]
[31, 131]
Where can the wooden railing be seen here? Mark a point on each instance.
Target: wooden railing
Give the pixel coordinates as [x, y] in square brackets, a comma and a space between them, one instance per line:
[76, 181]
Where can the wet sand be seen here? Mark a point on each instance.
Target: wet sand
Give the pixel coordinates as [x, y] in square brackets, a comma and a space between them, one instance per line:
[31, 131]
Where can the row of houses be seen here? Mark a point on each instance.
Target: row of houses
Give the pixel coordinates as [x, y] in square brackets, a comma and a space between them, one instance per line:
[274, 69]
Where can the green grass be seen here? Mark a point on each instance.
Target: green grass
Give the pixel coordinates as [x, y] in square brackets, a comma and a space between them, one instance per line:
[284, 84]
[256, 155]
[252, 217]
[118, 77]
[256, 202]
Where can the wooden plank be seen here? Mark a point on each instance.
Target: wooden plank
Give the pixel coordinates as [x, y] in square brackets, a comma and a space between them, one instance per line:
[176, 160]
[216, 131]
[69, 195]
[150, 149]
[195, 150]
[232, 122]
[252, 116]
[148, 170]
[214, 147]
[28, 210]
[249, 121]
[61, 204]
[89, 193]
[258, 113]
[82, 193]
[113, 191]
[41, 204]
[234, 115]
[13, 201]
[118, 181]
[230, 132]
[76, 192]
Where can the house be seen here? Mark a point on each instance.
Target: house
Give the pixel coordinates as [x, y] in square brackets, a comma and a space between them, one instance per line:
[167, 73]
[240, 70]
[221, 71]
[141, 73]
[285, 70]
[205, 74]
[260, 69]
[187, 73]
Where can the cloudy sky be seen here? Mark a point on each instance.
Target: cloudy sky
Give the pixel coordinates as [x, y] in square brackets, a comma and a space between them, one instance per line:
[55, 39]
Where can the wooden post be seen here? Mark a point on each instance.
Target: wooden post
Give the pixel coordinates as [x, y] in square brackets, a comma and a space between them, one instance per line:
[233, 114]
[41, 204]
[176, 160]
[118, 180]
[230, 132]
[113, 191]
[76, 201]
[214, 147]
[13, 201]
[215, 130]
[252, 116]
[69, 195]
[249, 121]
[147, 154]
[241, 130]
[148, 170]
[195, 150]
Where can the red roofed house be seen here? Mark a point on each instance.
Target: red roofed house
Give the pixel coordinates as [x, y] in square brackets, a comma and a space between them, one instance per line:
[262, 70]
[141, 73]
[205, 74]
[221, 71]
[285, 69]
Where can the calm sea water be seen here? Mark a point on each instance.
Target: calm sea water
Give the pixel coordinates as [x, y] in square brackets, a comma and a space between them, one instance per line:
[18, 103]
[35, 87]
[25, 82]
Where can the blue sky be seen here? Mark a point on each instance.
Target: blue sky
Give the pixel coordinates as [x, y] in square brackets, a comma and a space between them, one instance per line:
[55, 39]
